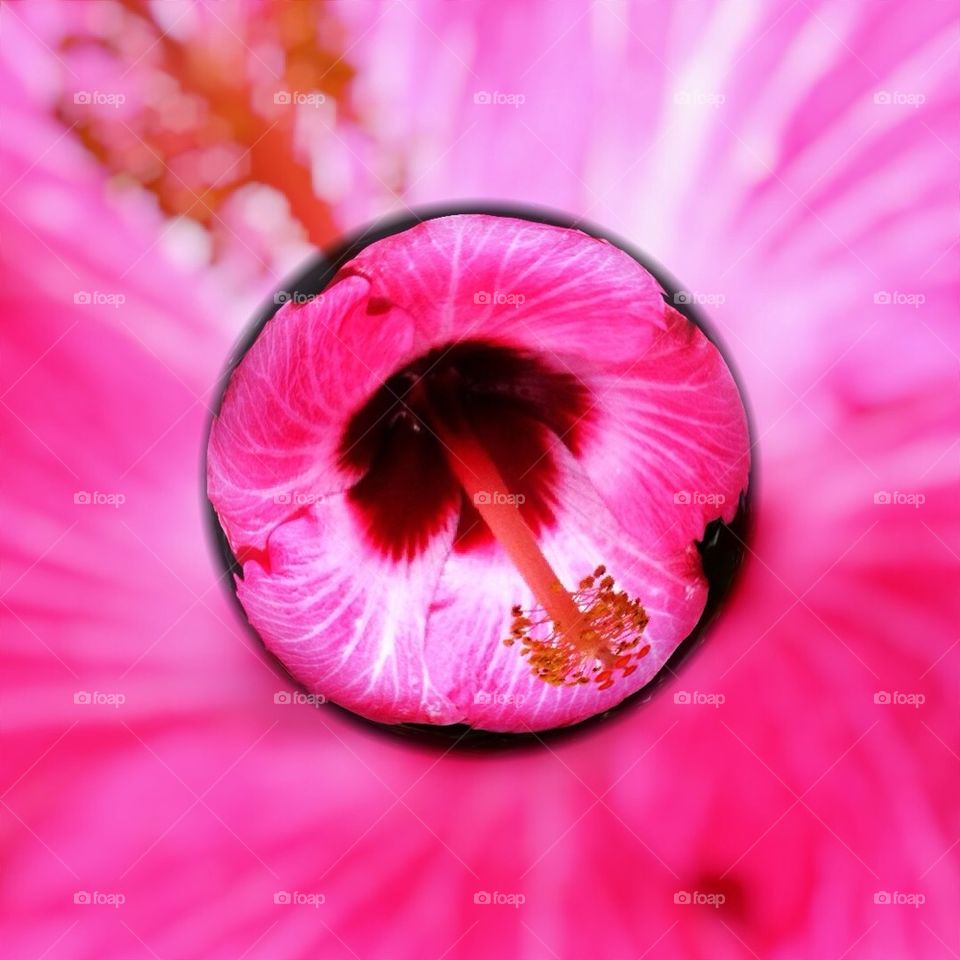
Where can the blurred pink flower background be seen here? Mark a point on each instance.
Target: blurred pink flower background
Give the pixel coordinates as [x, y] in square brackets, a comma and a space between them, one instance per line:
[791, 792]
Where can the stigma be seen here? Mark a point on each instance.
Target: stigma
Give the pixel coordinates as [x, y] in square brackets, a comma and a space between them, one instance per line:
[602, 641]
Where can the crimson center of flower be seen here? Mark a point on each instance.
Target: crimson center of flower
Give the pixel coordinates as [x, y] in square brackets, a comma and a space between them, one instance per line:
[475, 423]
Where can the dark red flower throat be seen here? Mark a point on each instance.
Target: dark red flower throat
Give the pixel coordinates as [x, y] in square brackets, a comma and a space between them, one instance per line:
[474, 422]
[510, 401]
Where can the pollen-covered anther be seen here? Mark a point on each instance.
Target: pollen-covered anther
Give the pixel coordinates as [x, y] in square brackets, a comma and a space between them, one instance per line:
[603, 642]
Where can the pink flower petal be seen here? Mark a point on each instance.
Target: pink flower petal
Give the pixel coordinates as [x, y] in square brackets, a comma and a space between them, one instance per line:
[273, 446]
[671, 452]
[547, 288]
[346, 622]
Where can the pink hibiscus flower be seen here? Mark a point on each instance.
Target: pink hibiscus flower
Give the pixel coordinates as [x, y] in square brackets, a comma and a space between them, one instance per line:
[810, 812]
[374, 443]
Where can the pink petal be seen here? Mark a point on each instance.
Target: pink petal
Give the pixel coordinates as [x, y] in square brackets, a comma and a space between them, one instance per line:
[470, 616]
[348, 623]
[671, 452]
[273, 447]
[542, 287]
